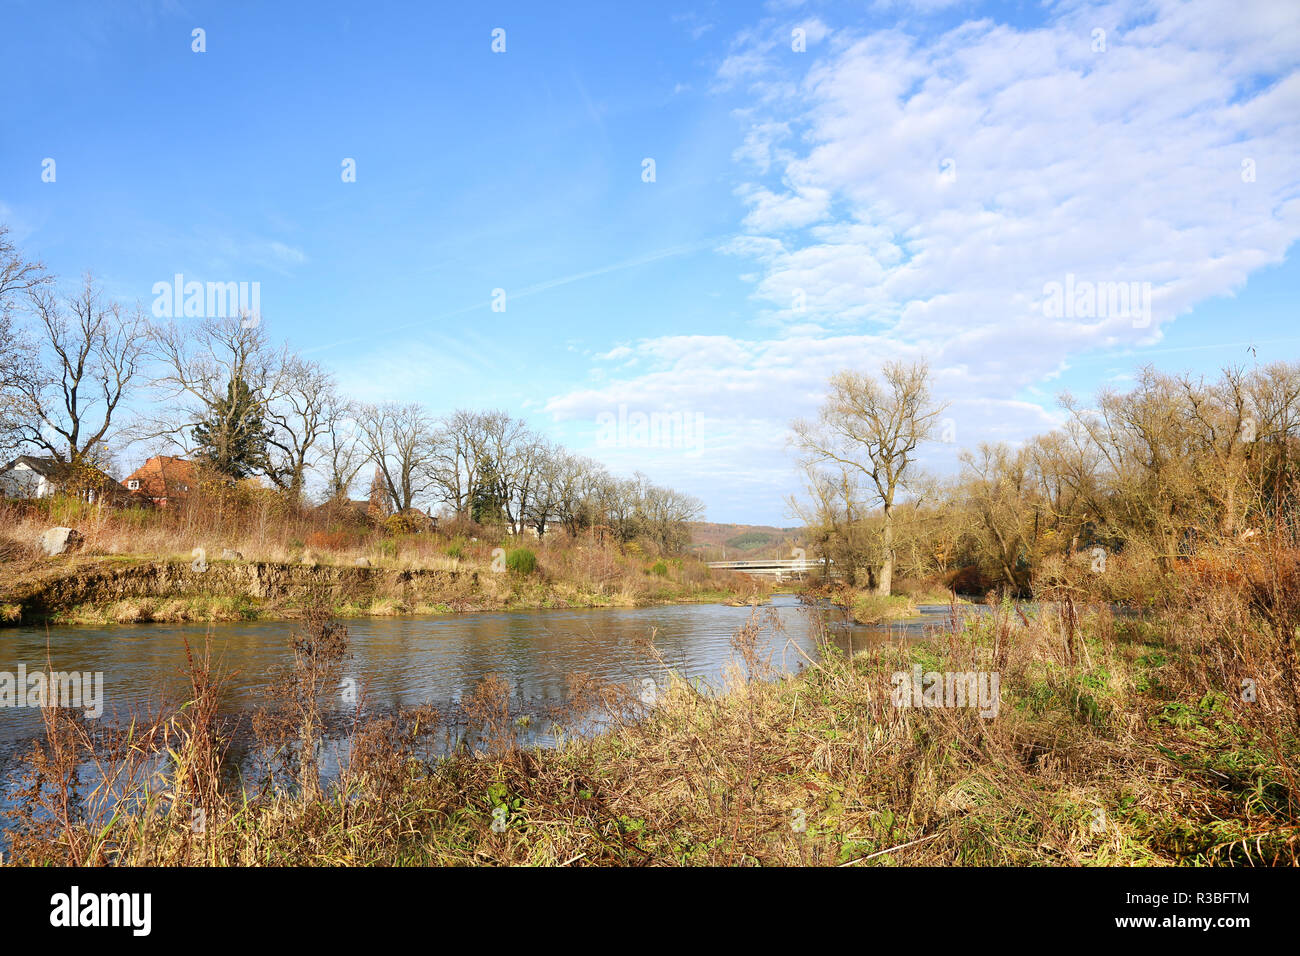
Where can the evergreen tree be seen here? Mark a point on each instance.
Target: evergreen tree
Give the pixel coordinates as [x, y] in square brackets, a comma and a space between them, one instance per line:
[485, 501]
[232, 440]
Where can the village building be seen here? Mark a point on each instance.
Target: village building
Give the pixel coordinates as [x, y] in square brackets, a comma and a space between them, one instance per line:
[31, 476]
[162, 480]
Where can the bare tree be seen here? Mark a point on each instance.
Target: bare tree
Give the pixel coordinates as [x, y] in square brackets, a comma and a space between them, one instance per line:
[1000, 490]
[88, 355]
[575, 486]
[400, 440]
[459, 452]
[344, 455]
[299, 420]
[664, 513]
[834, 519]
[512, 449]
[18, 277]
[616, 500]
[551, 486]
[874, 427]
[220, 375]
[1275, 398]
[17, 365]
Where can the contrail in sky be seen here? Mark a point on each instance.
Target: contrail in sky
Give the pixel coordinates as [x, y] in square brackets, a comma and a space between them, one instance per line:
[534, 289]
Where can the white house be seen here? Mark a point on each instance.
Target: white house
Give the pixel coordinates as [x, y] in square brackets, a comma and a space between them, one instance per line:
[29, 477]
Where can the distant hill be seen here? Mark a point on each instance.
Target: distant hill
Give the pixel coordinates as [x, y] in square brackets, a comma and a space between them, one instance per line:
[714, 542]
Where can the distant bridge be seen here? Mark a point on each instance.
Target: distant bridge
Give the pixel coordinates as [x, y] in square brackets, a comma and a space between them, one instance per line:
[779, 568]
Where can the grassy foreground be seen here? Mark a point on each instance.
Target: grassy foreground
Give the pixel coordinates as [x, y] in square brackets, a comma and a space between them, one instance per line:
[1117, 741]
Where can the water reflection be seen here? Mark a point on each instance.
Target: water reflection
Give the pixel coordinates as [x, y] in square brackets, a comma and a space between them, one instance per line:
[408, 661]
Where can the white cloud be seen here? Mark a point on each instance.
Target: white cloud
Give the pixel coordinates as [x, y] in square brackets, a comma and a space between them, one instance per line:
[770, 212]
[921, 6]
[286, 254]
[920, 192]
[693, 23]
[760, 147]
[814, 30]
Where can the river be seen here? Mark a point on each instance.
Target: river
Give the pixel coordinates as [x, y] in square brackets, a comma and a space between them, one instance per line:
[407, 661]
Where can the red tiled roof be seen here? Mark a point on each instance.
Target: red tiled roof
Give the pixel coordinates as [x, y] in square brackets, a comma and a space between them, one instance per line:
[162, 477]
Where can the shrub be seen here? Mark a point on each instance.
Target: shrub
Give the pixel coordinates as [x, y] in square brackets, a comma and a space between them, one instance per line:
[870, 608]
[460, 528]
[968, 580]
[329, 540]
[399, 524]
[659, 569]
[521, 561]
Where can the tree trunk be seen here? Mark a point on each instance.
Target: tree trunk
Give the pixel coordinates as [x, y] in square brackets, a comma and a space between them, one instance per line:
[885, 582]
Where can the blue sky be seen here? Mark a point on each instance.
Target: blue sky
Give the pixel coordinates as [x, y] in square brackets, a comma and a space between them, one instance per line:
[916, 175]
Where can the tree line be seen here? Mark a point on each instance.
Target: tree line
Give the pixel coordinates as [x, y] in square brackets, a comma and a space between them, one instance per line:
[223, 393]
[1160, 472]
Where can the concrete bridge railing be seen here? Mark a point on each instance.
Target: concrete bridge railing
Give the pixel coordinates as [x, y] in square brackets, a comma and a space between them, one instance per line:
[777, 567]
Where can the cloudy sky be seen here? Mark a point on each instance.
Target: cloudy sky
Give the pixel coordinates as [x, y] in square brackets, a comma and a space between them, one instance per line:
[686, 210]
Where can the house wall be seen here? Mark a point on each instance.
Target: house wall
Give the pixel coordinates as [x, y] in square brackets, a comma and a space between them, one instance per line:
[21, 482]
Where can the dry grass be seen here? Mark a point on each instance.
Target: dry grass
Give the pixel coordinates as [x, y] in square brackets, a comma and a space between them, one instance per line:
[246, 527]
[1119, 740]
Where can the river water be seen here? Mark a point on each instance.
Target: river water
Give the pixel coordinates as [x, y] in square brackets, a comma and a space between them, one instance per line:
[408, 661]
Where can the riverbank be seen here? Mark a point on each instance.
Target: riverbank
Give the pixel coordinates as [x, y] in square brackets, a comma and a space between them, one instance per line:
[126, 589]
[1108, 741]
[244, 553]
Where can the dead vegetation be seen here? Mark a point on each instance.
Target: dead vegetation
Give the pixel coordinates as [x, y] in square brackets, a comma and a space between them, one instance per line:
[1168, 737]
[245, 554]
